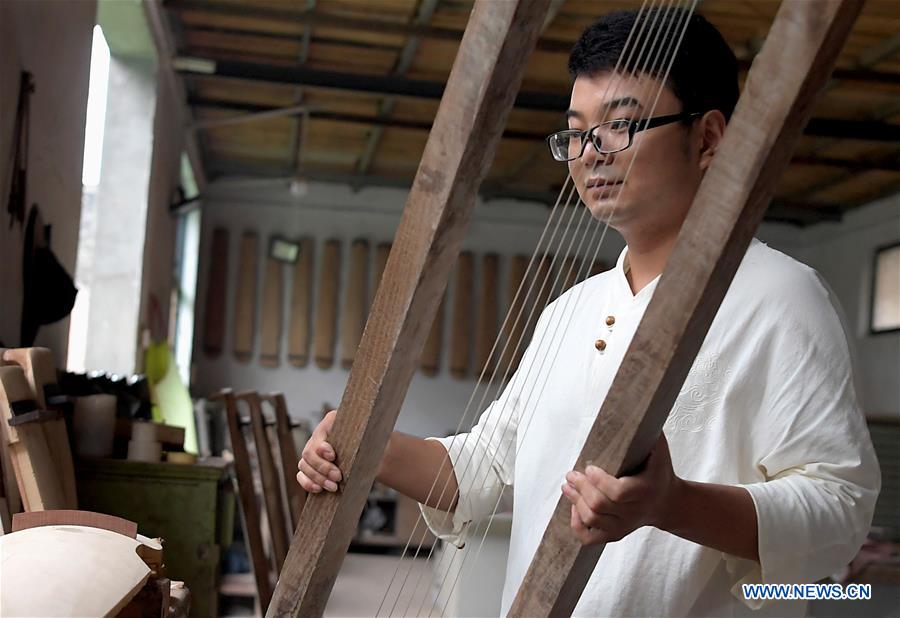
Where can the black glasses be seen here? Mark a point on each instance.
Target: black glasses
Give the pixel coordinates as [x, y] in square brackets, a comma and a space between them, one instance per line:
[607, 137]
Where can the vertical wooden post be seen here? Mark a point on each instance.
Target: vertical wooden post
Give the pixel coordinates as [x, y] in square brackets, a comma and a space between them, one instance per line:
[479, 94]
[782, 87]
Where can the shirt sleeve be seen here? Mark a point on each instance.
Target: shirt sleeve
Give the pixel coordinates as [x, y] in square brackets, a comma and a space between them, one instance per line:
[484, 459]
[812, 445]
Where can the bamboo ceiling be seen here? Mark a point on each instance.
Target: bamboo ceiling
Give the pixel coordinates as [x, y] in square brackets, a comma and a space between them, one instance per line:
[346, 90]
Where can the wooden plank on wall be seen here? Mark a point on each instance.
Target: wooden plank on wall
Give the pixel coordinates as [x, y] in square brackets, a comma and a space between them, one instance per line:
[541, 288]
[431, 355]
[216, 294]
[514, 325]
[271, 318]
[353, 310]
[326, 304]
[461, 327]
[486, 318]
[245, 298]
[301, 301]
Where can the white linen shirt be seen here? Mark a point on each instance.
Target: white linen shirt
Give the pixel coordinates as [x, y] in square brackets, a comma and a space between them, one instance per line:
[769, 405]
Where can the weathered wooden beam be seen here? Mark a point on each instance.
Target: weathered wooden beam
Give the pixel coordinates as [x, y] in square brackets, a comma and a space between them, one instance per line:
[344, 22]
[404, 62]
[209, 65]
[778, 97]
[485, 77]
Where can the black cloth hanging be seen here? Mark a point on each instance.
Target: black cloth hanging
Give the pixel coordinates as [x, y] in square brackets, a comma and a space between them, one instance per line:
[49, 292]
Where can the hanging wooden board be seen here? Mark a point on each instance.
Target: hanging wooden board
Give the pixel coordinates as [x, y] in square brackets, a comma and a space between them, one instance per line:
[541, 283]
[272, 310]
[216, 288]
[461, 327]
[381, 257]
[486, 317]
[301, 300]
[516, 314]
[430, 362]
[245, 298]
[326, 304]
[353, 310]
[40, 372]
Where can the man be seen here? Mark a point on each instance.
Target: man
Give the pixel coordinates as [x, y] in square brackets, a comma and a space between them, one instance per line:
[765, 472]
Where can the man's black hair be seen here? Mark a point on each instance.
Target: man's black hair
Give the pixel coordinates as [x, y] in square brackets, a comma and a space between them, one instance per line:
[704, 74]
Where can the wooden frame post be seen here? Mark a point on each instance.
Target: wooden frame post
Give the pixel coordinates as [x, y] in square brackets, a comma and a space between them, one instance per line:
[486, 75]
[794, 64]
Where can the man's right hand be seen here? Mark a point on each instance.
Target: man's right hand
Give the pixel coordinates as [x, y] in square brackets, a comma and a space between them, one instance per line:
[316, 465]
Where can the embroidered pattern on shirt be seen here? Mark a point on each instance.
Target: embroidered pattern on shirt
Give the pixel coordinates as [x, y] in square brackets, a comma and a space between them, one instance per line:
[701, 392]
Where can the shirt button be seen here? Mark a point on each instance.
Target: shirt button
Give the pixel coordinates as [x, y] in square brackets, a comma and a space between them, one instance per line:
[600, 344]
[610, 320]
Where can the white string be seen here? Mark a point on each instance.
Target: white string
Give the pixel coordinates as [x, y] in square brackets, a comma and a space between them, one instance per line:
[580, 290]
[468, 405]
[560, 275]
[564, 274]
[584, 266]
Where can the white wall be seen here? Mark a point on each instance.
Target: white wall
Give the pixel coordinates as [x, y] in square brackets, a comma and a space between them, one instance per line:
[434, 405]
[52, 39]
[843, 253]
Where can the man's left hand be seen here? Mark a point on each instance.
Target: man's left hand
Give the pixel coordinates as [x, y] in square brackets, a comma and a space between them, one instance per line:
[606, 509]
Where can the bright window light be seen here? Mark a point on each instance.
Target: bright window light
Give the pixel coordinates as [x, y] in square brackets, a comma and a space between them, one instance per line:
[96, 110]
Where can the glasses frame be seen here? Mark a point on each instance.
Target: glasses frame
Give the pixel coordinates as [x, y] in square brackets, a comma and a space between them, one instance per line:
[633, 127]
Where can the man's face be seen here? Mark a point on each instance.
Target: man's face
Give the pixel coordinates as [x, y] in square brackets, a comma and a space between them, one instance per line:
[648, 187]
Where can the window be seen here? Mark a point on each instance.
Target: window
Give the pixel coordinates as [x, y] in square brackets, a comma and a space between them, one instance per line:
[187, 252]
[885, 312]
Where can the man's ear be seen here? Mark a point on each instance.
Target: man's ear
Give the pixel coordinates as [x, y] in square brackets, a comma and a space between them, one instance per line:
[712, 128]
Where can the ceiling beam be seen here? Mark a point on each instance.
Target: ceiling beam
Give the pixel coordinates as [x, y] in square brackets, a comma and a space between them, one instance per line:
[252, 113]
[881, 51]
[426, 10]
[531, 100]
[403, 64]
[375, 84]
[165, 48]
[848, 74]
[298, 139]
[345, 22]
[860, 164]
[819, 127]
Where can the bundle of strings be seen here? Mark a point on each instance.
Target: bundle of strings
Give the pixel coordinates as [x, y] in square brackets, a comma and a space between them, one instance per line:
[652, 47]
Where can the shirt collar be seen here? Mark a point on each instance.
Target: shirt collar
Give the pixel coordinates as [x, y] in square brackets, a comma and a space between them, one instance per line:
[624, 288]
